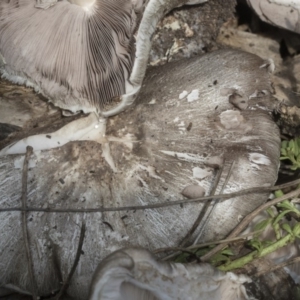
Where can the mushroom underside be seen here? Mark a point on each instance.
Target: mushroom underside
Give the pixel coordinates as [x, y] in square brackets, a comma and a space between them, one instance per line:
[193, 118]
[133, 273]
[91, 63]
[87, 64]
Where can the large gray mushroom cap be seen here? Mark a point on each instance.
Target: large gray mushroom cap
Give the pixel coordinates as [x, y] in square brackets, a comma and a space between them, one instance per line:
[135, 274]
[215, 111]
[194, 116]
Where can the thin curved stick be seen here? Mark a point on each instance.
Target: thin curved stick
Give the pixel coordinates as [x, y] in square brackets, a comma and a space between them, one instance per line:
[156, 205]
[204, 245]
[203, 210]
[74, 266]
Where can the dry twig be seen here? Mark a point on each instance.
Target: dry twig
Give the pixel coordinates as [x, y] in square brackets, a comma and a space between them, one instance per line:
[153, 206]
[203, 210]
[77, 257]
[204, 245]
[34, 291]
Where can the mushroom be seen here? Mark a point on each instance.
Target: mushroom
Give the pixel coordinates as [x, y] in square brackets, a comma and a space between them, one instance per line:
[79, 54]
[281, 13]
[134, 273]
[181, 144]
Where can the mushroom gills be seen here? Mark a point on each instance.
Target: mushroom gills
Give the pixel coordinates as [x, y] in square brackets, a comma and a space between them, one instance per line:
[90, 128]
[79, 60]
[85, 72]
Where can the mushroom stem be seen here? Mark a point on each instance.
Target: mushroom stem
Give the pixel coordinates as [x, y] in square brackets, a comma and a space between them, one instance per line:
[90, 128]
[154, 12]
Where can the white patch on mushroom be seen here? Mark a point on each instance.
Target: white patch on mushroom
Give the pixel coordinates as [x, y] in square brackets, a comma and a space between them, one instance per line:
[128, 140]
[201, 173]
[231, 119]
[117, 236]
[176, 120]
[184, 156]
[19, 162]
[183, 95]
[168, 172]
[174, 48]
[153, 101]
[262, 107]
[181, 127]
[173, 26]
[152, 172]
[269, 65]
[237, 87]
[188, 32]
[193, 95]
[259, 159]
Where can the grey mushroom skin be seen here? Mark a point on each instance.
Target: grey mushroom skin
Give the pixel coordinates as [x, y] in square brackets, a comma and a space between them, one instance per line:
[134, 273]
[194, 117]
